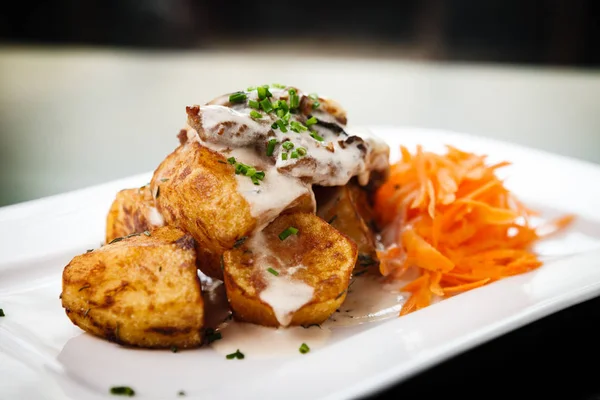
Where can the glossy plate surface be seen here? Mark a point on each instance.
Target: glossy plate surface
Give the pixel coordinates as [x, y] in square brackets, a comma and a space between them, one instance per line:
[39, 238]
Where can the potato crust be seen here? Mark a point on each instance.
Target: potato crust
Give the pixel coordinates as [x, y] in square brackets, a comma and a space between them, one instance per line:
[318, 256]
[132, 211]
[196, 190]
[138, 291]
[348, 210]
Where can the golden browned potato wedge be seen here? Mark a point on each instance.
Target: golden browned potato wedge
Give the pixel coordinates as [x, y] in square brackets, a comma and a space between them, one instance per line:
[196, 189]
[300, 280]
[139, 291]
[132, 211]
[348, 210]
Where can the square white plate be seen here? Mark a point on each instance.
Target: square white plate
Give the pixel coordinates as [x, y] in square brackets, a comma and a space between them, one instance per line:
[39, 238]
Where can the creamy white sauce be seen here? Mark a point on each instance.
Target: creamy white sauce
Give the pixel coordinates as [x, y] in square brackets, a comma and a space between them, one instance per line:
[213, 116]
[154, 217]
[262, 342]
[332, 162]
[276, 191]
[342, 154]
[368, 299]
[285, 296]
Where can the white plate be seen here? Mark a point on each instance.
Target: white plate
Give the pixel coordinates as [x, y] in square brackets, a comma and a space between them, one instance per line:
[38, 238]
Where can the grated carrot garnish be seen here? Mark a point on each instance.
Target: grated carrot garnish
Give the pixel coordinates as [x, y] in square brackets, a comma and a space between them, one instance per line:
[453, 219]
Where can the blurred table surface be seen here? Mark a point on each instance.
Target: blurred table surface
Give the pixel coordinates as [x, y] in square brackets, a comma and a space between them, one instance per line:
[74, 117]
[71, 118]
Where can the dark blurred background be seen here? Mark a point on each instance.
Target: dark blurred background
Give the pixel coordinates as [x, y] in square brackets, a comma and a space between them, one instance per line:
[554, 32]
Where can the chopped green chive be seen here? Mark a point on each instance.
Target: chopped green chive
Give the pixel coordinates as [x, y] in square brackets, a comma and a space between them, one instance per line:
[283, 106]
[241, 169]
[301, 151]
[254, 104]
[250, 171]
[294, 154]
[288, 145]
[221, 162]
[366, 260]
[271, 147]
[278, 85]
[286, 233]
[255, 114]
[122, 391]
[281, 125]
[304, 348]
[164, 179]
[212, 336]
[263, 92]
[239, 242]
[239, 355]
[316, 136]
[294, 99]
[311, 121]
[341, 294]
[250, 88]
[271, 270]
[266, 105]
[181, 393]
[237, 97]
[174, 349]
[89, 250]
[315, 98]
[284, 156]
[2, 313]
[147, 233]
[297, 127]
[332, 219]
[247, 170]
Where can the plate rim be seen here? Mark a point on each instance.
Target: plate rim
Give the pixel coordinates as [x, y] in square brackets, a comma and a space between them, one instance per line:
[373, 384]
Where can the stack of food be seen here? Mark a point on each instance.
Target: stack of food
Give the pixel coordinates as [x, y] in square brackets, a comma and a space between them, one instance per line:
[268, 191]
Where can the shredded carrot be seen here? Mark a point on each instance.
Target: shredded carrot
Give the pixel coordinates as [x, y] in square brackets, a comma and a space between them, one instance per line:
[453, 219]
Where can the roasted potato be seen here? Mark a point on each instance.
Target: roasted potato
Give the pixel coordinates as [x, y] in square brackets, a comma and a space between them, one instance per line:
[196, 189]
[300, 280]
[139, 291]
[132, 211]
[348, 210]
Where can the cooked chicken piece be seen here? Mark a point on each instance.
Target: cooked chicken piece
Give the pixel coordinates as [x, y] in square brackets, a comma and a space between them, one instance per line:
[348, 210]
[295, 272]
[197, 189]
[139, 291]
[132, 211]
